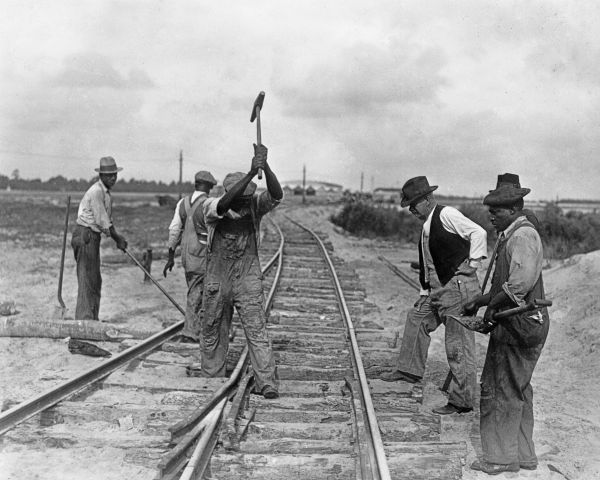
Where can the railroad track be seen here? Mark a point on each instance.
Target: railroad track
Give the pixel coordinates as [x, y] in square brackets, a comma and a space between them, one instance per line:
[334, 418]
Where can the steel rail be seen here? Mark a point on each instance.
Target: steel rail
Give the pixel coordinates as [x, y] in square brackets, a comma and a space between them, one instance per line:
[382, 472]
[206, 435]
[21, 412]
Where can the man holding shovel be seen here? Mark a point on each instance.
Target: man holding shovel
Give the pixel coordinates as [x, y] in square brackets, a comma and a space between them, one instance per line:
[516, 342]
[188, 228]
[94, 217]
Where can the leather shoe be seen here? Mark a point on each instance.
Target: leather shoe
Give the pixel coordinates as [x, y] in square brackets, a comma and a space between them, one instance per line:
[528, 466]
[269, 392]
[450, 408]
[494, 468]
[397, 375]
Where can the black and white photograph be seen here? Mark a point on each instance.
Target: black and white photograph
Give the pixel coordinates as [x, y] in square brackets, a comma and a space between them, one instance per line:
[299, 240]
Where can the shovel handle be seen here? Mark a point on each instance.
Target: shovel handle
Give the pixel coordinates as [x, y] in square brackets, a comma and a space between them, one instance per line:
[533, 305]
[62, 255]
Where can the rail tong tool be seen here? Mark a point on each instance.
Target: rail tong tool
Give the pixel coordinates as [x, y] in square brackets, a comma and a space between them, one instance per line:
[477, 324]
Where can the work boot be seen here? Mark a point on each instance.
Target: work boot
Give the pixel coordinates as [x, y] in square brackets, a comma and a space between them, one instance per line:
[397, 375]
[451, 408]
[269, 392]
[494, 468]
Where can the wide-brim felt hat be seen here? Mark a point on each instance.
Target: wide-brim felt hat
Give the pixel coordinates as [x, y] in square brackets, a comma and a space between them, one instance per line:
[232, 178]
[205, 176]
[414, 189]
[108, 165]
[508, 191]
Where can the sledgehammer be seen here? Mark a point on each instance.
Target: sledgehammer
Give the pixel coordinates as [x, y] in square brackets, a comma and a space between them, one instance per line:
[256, 108]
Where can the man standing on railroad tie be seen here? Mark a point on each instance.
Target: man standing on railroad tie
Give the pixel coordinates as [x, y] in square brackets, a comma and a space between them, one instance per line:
[516, 342]
[451, 248]
[94, 217]
[233, 274]
[188, 228]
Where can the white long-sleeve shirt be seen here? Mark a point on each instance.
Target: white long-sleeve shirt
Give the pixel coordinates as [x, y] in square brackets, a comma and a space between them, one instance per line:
[454, 222]
[176, 226]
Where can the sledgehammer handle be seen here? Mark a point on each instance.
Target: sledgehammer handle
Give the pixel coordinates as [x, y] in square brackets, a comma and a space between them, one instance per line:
[258, 136]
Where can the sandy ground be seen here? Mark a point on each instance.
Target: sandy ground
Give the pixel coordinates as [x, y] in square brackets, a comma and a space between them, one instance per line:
[567, 393]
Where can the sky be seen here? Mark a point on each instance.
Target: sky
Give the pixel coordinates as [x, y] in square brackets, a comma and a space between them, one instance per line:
[459, 91]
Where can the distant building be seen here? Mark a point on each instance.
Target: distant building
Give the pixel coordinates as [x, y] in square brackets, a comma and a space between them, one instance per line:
[387, 195]
[312, 187]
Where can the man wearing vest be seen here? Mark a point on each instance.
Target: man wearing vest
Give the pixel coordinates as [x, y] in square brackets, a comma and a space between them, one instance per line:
[94, 217]
[451, 248]
[188, 228]
[516, 342]
[234, 277]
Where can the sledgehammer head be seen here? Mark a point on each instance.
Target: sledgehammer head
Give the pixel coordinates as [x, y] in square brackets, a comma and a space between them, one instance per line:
[257, 103]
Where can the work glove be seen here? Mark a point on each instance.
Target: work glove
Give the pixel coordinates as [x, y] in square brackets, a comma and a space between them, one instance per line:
[420, 302]
[260, 158]
[170, 262]
[121, 243]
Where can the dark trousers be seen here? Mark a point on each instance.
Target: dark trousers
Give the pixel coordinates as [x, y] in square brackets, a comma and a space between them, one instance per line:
[86, 248]
[506, 404]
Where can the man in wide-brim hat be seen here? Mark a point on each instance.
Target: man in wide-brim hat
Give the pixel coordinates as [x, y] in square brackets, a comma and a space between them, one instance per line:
[515, 344]
[233, 274]
[188, 228]
[451, 248]
[94, 218]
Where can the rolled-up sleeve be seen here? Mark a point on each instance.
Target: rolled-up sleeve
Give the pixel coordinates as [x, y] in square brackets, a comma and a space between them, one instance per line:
[525, 250]
[265, 203]
[457, 223]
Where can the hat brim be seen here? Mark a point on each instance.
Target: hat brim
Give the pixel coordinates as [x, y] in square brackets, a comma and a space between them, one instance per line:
[405, 202]
[505, 196]
[115, 170]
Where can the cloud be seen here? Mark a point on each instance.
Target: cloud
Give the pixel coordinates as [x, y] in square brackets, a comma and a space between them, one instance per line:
[92, 70]
[363, 79]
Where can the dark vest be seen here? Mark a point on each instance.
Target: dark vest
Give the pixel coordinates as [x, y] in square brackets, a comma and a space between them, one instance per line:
[448, 250]
[519, 329]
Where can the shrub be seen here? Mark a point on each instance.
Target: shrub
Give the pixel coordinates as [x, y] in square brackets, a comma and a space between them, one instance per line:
[563, 235]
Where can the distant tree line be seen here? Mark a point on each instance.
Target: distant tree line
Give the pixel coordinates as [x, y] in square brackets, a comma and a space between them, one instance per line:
[62, 184]
[563, 234]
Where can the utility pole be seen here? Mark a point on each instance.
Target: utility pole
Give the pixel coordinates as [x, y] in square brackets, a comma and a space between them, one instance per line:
[180, 172]
[372, 183]
[304, 184]
[362, 177]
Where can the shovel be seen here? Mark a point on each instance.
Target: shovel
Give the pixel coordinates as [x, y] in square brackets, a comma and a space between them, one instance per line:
[62, 309]
[477, 324]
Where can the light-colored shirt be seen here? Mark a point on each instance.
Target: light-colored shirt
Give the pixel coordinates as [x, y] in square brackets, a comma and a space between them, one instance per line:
[525, 252]
[264, 204]
[454, 222]
[95, 209]
[176, 226]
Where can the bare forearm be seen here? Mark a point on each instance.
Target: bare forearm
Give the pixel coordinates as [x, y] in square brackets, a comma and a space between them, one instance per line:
[233, 193]
[273, 184]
